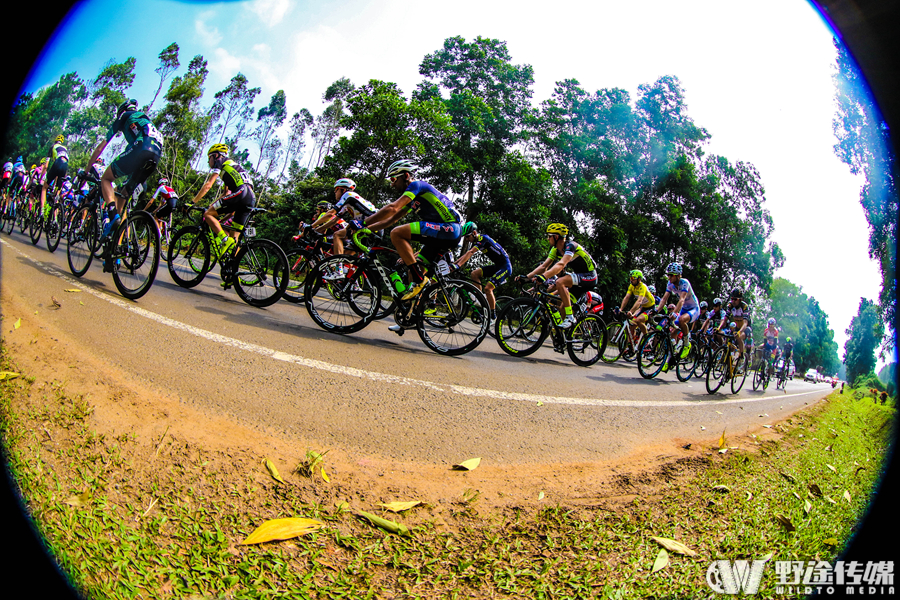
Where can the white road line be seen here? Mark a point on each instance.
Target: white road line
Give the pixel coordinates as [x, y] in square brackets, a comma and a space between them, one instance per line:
[374, 375]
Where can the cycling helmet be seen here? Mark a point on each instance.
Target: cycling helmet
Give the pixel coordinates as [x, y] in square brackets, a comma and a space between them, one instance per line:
[748, 331]
[344, 182]
[558, 229]
[652, 289]
[218, 149]
[788, 341]
[717, 301]
[60, 139]
[469, 227]
[737, 293]
[324, 205]
[636, 274]
[771, 321]
[130, 104]
[402, 166]
[100, 160]
[44, 161]
[732, 325]
[673, 269]
[163, 181]
[703, 305]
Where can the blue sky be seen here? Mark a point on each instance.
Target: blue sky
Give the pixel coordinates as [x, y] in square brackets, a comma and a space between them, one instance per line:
[757, 76]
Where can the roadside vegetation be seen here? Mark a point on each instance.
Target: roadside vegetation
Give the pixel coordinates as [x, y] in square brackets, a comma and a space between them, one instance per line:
[141, 518]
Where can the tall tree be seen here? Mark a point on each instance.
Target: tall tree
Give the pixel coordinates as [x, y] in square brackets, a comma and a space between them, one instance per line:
[181, 121]
[866, 332]
[234, 106]
[328, 125]
[110, 85]
[865, 146]
[296, 138]
[269, 118]
[487, 100]
[168, 63]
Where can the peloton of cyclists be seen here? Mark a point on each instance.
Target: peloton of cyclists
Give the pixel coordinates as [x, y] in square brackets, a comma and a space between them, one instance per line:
[494, 274]
[349, 206]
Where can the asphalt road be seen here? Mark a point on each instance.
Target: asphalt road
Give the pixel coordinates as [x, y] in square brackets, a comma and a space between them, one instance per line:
[375, 392]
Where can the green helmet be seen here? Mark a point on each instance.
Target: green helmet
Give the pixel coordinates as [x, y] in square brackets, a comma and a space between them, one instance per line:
[636, 274]
[469, 227]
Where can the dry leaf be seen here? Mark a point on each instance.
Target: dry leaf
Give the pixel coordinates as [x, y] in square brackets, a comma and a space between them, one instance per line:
[846, 496]
[767, 426]
[749, 496]
[390, 526]
[816, 491]
[702, 428]
[785, 522]
[54, 303]
[722, 440]
[661, 562]
[468, 465]
[807, 506]
[541, 496]
[830, 541]
[721, 488]
[4, 375]
[673, 546]
[73, 290]
[400, 506]
[830, 500]
[273, 471]
[79, 500]
[797, 496]
[18, 323]
[325, 476]
[831, 467]
[282, 529]
[788, 477]
[540, 403]
[829, 448]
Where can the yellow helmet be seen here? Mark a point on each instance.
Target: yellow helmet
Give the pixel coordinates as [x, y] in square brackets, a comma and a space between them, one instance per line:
[220, 148]
[44, 160]
[558, 229]
[60, 139]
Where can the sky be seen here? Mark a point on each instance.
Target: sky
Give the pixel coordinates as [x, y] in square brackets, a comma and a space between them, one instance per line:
[757, 76]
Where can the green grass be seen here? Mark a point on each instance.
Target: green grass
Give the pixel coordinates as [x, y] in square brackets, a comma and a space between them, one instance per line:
[177, 531]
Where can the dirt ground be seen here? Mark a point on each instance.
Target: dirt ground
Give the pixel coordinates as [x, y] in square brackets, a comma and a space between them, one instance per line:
[120, 404]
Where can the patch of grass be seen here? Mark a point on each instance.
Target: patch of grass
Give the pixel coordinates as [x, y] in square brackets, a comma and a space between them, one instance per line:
[179, 532]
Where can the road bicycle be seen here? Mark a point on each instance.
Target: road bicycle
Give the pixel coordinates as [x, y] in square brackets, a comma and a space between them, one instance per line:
[781, 374]
[728, 364]
[620, 342]
[525, 323]
[257, 268]
[311, 248]
[344, 293]
[55, 223]
[762, 374]
[657, 352]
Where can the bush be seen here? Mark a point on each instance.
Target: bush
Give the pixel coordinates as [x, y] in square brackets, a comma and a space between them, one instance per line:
[869, 381]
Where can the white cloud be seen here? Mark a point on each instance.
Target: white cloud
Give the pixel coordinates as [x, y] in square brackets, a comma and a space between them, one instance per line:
[271, 12]
[224, 64]
[208, 35]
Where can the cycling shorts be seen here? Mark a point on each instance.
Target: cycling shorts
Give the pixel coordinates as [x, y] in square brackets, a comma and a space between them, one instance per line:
[131, 162]
[239, 203]
[425, 231]
[586, 281]
[496, 274]
[694, 312]
[57, 171]
[166, 209]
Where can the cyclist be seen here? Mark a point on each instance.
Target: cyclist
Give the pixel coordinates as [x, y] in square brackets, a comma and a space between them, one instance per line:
[239, 198]
[169, 198]
[688, 308]
[144, 148]
[6, 179]
[350, 205]
[572, 266]
[644, 302]
[770, 341]
[738, 311]
[59, 166]
[18, 178]
[787, 351]
[493, 275]
[439, 226]
[36, 179]
[704, 310]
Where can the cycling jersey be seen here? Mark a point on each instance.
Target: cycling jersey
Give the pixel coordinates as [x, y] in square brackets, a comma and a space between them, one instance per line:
[641, 291]
[58, 151]
[167, 193]
[170, 198]
[136, 128]
[428, 204]
[771, 336]
[19, 168]
[740, 312]
[232, 174]
[581, 261]
[7, 170]
[354, 206]
[494, 251]
[690, 301]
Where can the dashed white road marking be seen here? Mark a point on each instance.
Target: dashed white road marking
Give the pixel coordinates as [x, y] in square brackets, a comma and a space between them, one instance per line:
[374, 375]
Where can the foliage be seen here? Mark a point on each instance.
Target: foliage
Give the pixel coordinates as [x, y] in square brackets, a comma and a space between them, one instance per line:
[866, 332]
[800, 318]
[864, 145]
[869, 381]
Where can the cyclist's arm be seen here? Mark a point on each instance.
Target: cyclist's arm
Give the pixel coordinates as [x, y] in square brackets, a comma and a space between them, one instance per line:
[662, 301]
[625, 301]
[559, 267]
[98, 151]
[205, 189]
[465, 257]
[541, 268]
[326, 219]
[682, 296]
[388, 214]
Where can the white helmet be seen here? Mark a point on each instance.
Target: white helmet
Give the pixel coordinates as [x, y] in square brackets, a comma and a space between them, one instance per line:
[344, 182]
[402, 166]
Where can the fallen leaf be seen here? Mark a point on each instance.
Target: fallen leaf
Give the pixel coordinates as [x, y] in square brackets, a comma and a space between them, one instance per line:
[797, 496]
[830, 541]
[788, 477]
[702, 428]
[723, 450]
[661, 562]
[722, 440]
[81, 303]
[749, 496]
[73, 290]
[282, 529]
[721, 488]
[273, 471]
[18, 323]
[54, 303]
[816, 491]
[78, 501]
[468, 465]
[807, 506]
[673, 546]
[718, 412]
[846, 496]
[4, 375]
[831, 467]
[400, 506]
[858, 470]
[541, 496]
[390, 526]
[767, 426]
[785, 522]
[830, 500]
[325, 476]
[687, 446]
[540, 403]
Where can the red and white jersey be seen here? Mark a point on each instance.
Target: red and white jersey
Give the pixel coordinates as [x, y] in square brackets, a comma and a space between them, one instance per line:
[167, 192]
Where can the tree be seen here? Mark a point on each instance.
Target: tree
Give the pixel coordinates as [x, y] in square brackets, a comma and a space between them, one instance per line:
[328, 124]
[110, 85]
[801, 318]
[181, 121]
[866, 332]
[269, 118]
[234, 106]
[296, 138]
[863, 144]
[168, 63]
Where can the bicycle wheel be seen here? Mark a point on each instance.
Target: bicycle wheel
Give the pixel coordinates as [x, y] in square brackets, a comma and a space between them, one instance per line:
[55, 224]
[24, 219]
[37, 224]
[653, 354]
[767, 376]
[613, 349]
[703, 359]
[684, 367]
[188, 257]
[717, 372]
[137, 252]
[455, 318]
[521, 327]
[299, 266]
[587, 340]
[262, 273]
[80, 243]
[758, 376]
[741, 366]
[499, 303]
[341, 305]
